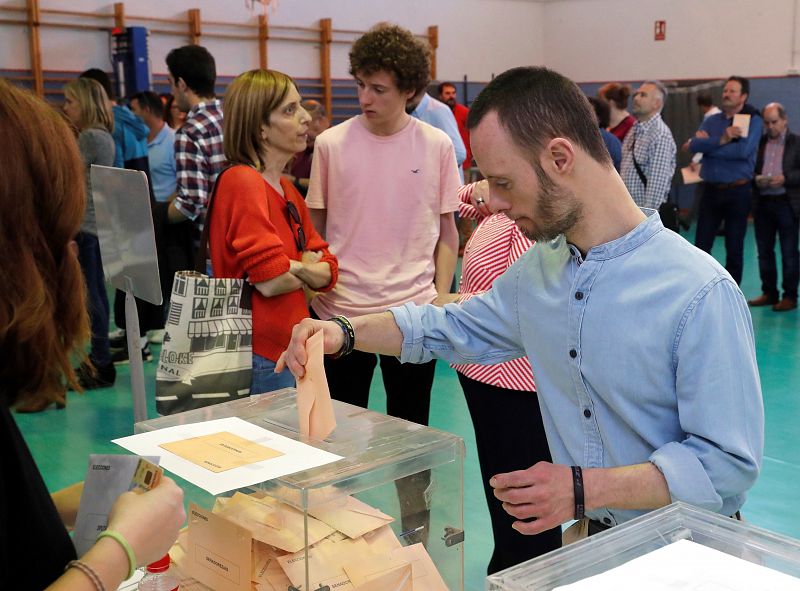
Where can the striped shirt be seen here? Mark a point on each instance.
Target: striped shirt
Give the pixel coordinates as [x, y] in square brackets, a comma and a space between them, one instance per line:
[773, 163]
[199, 158]
[494, 245]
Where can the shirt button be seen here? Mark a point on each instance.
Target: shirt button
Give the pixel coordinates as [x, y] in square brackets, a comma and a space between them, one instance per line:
[578, 295]
[587, 413]
[573, 353]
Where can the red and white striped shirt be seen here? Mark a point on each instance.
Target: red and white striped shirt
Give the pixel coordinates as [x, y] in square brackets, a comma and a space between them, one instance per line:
[494, 245]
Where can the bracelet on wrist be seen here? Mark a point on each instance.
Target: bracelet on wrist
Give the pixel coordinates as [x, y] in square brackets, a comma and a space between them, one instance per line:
[349, 342]
[577, 487]
[88, 571]
[120, 539]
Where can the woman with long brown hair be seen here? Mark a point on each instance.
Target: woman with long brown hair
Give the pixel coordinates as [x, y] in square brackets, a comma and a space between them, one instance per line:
[43, 323]
[260, 226]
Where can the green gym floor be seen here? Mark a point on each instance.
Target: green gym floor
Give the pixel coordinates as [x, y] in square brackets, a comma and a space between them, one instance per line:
[61, 439]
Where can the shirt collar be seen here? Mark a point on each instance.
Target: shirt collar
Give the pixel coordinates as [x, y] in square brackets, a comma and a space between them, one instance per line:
[423, 104]
[204, 106]
[646, 125]
[781, 139]
[618, 247]
[160, 136]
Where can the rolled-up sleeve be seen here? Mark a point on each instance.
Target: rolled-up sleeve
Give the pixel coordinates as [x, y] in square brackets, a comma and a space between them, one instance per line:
[483, 330]
[720, 406]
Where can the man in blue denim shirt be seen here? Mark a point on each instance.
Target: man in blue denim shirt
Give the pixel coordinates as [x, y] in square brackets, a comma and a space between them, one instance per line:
[729, 159]
[642, 345]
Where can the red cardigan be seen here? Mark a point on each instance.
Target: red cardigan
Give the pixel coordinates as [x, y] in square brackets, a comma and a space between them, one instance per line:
[250, 236]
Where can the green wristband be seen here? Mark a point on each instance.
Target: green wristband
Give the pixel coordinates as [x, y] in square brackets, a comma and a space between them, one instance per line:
[119, 539]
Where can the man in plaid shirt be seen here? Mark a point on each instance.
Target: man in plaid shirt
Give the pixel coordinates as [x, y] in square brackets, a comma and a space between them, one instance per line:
[649, 146]
[198, 143]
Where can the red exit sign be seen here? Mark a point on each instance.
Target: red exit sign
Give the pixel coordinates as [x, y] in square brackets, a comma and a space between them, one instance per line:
[661, 30]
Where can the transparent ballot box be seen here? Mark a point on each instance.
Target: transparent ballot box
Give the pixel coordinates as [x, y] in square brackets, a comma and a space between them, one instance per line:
[388, 515]
[644, 550]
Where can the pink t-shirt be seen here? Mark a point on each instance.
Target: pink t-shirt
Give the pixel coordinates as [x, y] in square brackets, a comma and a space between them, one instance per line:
[384, 196]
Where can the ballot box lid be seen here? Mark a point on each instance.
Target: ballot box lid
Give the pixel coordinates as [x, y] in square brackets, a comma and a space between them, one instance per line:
[375, 448]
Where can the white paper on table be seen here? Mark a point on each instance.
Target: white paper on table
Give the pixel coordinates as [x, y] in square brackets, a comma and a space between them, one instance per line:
[687, 566]
[296, 456]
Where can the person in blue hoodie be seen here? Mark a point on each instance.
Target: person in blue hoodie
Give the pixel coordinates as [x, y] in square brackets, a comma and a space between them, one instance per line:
[130, 136]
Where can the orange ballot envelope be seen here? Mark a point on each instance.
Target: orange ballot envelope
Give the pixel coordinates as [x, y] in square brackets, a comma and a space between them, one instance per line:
[398, 579]
[423, 572]
[274, 523]
[220, 551]
[350, 516]
[314, 405]
[222, 451]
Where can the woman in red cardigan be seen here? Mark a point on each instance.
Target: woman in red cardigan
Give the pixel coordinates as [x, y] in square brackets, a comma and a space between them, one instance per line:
[260, 228]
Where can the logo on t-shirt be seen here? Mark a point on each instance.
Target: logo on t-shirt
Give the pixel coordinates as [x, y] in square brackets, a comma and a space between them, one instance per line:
[416, 170]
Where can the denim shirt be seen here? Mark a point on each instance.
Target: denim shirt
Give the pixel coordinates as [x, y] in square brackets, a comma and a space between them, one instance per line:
[643, 351]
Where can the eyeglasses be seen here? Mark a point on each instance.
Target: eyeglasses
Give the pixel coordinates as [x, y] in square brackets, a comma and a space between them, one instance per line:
[297, 227]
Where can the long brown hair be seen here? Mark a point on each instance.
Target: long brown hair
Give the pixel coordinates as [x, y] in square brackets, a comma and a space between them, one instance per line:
[42, 301]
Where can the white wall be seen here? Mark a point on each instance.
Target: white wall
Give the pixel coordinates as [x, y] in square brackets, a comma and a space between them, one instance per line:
[598, 40]
[476, 37]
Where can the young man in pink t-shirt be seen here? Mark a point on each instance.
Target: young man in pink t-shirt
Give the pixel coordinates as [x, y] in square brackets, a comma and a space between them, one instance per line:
[383, 191]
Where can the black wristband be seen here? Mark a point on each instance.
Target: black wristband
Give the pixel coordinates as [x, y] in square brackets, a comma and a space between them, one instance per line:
[349, 337]
[577, 487]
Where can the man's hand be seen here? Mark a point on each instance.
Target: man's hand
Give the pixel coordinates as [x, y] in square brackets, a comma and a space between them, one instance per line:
[295, 356]
[480, 198]
[777, 181]
[543, 493]
[762, 181]
[700, 134]
[731, 133]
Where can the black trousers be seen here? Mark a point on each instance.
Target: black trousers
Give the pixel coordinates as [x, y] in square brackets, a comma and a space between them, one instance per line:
[732, 206]
[509, 436]
[408, 385]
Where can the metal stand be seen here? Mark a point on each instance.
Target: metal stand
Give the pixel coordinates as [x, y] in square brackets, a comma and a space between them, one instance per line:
[134, 354]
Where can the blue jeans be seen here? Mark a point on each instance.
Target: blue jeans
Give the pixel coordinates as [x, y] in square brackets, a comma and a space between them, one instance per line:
[265, 379]
[773, 216]
[731, 205]
[92, 266]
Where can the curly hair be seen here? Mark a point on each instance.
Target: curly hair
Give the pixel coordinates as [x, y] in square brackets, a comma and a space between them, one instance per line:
[43, 316]
[395, 50]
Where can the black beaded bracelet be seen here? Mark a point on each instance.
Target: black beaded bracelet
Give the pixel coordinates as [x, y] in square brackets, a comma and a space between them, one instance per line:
[577, 487]
[349, 337]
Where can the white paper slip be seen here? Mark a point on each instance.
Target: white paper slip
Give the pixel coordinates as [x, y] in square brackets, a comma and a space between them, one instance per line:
[687, 566]
[690, 176]
[742, 121]
[296, 456]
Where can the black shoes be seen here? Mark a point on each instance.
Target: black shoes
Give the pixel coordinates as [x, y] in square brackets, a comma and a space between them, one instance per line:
[102, 376]
[120, 356]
